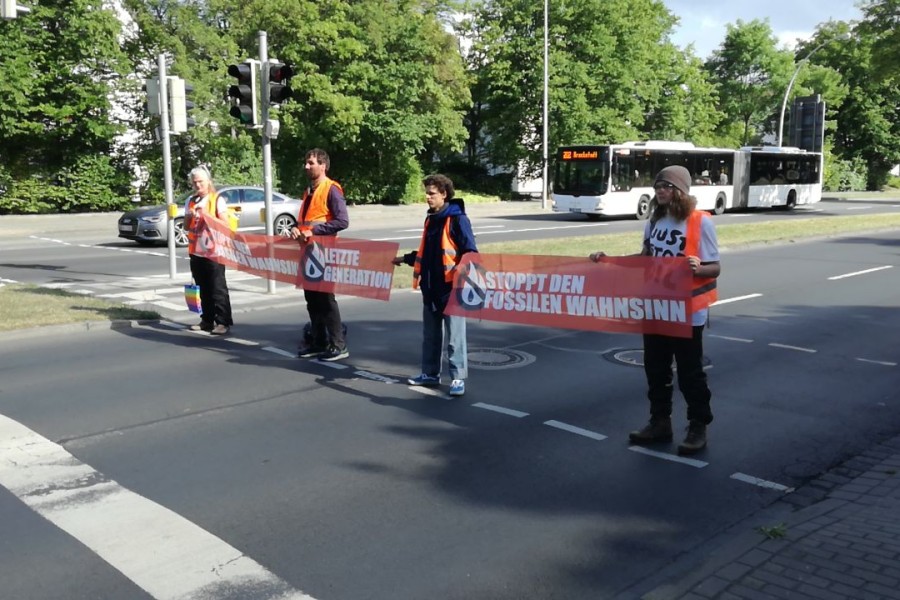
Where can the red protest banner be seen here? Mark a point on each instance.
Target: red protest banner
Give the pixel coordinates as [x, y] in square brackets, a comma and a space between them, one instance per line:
[628, 294]
[327, 264]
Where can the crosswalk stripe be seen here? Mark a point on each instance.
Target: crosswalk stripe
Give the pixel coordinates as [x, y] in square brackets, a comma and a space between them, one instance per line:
[166, 555]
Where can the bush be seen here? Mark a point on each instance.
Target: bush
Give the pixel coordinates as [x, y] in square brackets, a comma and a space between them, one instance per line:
[844, 175]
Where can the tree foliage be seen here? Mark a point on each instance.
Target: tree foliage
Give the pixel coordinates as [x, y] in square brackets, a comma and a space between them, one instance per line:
[613, 76]
[751, 74]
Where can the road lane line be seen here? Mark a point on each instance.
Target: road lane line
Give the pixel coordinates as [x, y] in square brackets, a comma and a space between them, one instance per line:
[279, 351]
[576, 430]
[241, 341]
[761, 482]
[500, 409]
[854, 274]
[691, 462]
[735, 299]
[526, 230]
[797, 348]
[428, 391]
[731, 339]
[163, 553]
[886, 363]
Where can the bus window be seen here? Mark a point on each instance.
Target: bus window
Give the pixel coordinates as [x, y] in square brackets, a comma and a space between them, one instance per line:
[623, 173]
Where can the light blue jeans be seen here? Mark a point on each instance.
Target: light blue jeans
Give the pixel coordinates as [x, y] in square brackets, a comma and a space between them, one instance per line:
[435, 326]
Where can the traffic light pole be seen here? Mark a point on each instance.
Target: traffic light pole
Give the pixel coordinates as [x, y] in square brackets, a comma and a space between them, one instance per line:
[167, 159]
[266, 139]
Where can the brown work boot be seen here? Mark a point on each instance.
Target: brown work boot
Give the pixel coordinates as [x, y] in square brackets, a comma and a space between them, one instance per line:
[695, 440]
[657, 430]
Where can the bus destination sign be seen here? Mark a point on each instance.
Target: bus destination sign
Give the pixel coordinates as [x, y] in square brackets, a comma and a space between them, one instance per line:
[580, 154]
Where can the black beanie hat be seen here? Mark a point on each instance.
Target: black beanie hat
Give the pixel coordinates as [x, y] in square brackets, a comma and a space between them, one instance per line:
[677, 176]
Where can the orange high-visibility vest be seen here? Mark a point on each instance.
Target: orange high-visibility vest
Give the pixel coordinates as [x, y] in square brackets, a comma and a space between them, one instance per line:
[315, 206]
[448, 253]
[704, 290]
[189, 219]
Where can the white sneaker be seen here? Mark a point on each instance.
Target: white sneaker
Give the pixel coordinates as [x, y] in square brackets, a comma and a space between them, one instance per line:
[457, 387]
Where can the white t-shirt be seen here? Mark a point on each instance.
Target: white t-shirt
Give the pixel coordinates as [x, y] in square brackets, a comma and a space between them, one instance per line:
[668, 237]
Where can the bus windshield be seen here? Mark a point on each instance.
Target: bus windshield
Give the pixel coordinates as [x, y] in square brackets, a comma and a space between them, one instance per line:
[582, 171]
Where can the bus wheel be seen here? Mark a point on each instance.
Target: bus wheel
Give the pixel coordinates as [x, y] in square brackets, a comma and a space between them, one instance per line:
[643, 208]
[720, 205]
[791, 201]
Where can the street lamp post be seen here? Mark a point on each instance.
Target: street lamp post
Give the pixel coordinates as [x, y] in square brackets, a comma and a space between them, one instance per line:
[544, 180]
[790, 85]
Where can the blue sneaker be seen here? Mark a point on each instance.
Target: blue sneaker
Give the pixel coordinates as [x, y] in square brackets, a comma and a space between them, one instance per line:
[425, 380]
[458, 387]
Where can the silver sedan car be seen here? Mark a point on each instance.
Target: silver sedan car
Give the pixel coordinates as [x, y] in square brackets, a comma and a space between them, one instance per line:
[147, 225]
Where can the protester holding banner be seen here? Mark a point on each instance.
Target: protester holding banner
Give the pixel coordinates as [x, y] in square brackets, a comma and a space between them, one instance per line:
[676, 228]
[208, 274]
[323, 213]
[446, 237]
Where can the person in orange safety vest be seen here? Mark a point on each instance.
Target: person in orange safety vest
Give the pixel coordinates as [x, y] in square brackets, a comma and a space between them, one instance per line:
[677, 228]
[323, 212]
[215, 301]
[446, 237]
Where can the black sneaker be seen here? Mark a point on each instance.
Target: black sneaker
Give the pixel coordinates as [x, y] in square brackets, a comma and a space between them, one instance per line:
[334, 353]
[310, 352]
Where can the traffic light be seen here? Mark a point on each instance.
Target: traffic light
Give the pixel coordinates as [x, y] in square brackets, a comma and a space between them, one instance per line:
[179, 105]
[279, 82]
[151, 86]
[244, 93]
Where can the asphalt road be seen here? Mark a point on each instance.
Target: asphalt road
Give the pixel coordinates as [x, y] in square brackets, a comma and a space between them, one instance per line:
[342, 482]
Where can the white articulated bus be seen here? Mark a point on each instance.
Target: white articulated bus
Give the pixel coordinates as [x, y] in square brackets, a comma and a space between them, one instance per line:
[617, 179]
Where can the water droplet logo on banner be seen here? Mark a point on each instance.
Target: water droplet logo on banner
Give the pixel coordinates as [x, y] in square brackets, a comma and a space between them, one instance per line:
[314, 262]
[470, 287]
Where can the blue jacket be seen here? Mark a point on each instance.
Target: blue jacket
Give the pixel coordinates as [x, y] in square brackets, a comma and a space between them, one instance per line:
[436, 291]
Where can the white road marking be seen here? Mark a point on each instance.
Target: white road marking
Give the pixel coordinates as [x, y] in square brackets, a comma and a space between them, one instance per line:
[499, 409]
[797, 348]
[280, 352]
[857, 207]
[163, 553]
[845, 275]
[576, 430]
[761, 482]
[731, 339]
[331, 365]
[735, 299]
[241, 341]
[691, 462]
[429, 391]
[877, 362]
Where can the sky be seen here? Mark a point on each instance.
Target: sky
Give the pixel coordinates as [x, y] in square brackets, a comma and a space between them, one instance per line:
[702, 22]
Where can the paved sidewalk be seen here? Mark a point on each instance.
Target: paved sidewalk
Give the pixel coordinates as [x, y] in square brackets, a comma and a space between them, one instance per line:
[836, 538]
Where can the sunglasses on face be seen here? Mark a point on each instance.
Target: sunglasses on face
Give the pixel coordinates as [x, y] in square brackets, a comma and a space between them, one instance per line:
[663, 186]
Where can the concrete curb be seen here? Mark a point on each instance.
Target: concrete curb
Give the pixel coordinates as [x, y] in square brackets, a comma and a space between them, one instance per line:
[67, 328]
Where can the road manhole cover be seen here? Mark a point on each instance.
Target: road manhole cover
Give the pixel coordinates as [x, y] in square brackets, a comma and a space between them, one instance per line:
[632, 357]
[493, 359]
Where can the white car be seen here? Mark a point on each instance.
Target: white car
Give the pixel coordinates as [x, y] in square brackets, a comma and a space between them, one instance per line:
[147, 225]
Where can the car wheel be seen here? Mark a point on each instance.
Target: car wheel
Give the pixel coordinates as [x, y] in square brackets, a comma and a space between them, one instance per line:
[181, 238]
[283, 225]
[643, 208]
[791, 200]
[720, 205]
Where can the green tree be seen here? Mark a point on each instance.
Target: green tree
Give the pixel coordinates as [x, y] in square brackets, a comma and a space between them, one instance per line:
[378, 84]
[614, 76]
[751, 74]
[881, 21]
[61, 64]
[867, 130]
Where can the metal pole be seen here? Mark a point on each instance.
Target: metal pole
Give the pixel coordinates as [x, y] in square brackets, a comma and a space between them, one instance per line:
[788, 91]
[167, 159]
[545, 181]
[266, 140]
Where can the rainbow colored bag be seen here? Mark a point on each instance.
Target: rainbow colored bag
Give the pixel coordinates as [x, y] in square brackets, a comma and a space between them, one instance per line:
[192, 298]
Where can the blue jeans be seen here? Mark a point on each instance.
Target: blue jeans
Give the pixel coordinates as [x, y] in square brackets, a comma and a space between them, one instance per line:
[435, 326]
